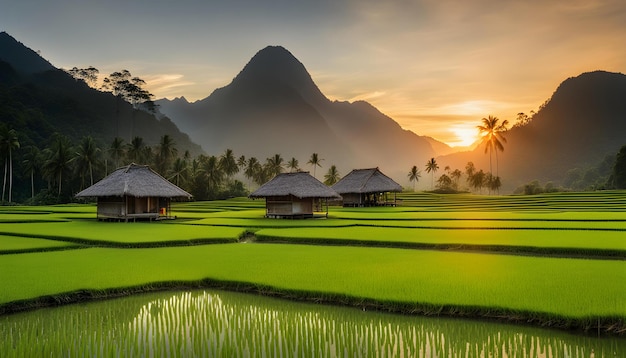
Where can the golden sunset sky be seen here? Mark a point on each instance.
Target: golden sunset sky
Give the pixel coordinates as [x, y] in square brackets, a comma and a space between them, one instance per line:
[435, 66]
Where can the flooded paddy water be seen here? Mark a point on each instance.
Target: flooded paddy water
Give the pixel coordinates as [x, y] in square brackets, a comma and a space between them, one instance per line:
[226, 324]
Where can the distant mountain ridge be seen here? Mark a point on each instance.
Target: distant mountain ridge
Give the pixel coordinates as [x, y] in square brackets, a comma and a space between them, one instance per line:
[584, 120]
[273, 106]
[37, 100]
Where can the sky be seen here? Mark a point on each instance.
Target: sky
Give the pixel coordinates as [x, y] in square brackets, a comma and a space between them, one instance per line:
[435, 66]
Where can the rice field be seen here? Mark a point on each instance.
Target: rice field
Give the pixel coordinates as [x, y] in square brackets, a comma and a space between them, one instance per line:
[554, 259]
[220, 324]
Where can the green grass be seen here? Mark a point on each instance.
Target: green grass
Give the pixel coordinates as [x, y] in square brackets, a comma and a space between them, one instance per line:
[574, 288]
[114, 233]
[535, 285]
[13, 244]
[609, 241]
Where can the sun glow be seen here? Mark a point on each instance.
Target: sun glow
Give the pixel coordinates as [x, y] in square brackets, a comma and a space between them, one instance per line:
[465, 134]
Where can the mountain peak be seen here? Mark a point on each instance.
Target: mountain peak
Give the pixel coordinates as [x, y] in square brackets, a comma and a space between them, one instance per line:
[276, 66]
[20, 57]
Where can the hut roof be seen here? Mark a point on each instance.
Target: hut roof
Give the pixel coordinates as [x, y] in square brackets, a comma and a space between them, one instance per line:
[135, 180]
[301, 185]
[366, 181]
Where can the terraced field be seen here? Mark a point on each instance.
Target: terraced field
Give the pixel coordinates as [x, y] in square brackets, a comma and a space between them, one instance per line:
[538, 259]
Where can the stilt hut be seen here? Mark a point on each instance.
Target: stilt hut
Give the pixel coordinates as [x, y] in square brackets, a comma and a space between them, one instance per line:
[367, 187]
[134, 192]
[294, 195]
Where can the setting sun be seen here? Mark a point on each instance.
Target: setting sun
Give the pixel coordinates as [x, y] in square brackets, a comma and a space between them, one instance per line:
[465, 134]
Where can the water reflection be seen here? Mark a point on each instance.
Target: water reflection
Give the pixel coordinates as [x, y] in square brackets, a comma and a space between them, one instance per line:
[218, 324]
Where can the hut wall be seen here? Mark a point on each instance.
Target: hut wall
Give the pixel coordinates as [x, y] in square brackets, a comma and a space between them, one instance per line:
[288, 206]
[114, 207]
[302, 206]
[279, 205]
[352, 199]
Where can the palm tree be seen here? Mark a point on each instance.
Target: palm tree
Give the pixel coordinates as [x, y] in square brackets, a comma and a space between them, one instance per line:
[470, 170]
[492, 136]
[252, 168]
[432, 167]
[414, 175]
[135, 150]
[332, 176]
[478, 180]
[86, 157]
[212, 173]
[8, 143]
[116, 151]
[228, 163]
[275, 165]
[242, 162]
[456, 175]
[166, 152]
[30, 164]
[179, 171]
[293, 165]
[58, 159]
[315, 161]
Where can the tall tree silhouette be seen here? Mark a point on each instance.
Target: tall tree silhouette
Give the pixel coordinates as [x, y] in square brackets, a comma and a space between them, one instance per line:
[492, 136]
[58, 159]
[332, 176]
[414, 175]
[315, 161]
[432, 167]
[8, 143]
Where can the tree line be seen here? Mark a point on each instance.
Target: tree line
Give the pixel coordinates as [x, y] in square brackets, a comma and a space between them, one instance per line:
[61, 168]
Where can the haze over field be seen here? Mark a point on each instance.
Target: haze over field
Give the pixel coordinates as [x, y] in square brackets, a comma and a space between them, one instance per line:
[435, 67]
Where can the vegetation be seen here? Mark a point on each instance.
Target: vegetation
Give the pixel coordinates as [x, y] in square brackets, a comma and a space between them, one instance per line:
[218, 323]
[432, 167]
[546, 238]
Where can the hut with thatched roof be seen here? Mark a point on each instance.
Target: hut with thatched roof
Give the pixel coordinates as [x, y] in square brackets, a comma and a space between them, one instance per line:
[367, 187]
[294, 195]
[134, 192]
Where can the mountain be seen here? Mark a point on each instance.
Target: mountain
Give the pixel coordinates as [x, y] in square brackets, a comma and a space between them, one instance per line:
[37, 100]
[583, 121]
[273, 106]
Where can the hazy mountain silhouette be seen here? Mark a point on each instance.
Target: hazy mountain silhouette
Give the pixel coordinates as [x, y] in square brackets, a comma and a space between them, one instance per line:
[584, 120]
[37, 99]
[273, 106]
[22, 58]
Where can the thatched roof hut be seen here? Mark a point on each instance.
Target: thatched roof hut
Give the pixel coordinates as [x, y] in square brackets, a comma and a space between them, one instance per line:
[367, 187]
[291, 195]
[134, 192]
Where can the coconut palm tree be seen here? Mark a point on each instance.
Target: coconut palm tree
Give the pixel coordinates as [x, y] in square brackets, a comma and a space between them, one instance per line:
[492, 136]
[135, 150]
[166, 152]
[293, 165]
[30, 164]
[8, 143]
[332, 176]
[275, 165]
[456, 175]
[228, 163]
[179, 171]
[241, 162]
[116, 151]
[432, 167]
[414, 175]
[86, 158]
[58, 159]
[478, 180]
[470, 170]
[315, 161]
[212, 173]
[252, 168]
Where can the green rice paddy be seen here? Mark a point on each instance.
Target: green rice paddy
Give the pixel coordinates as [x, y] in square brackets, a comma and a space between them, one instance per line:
[556, 260]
